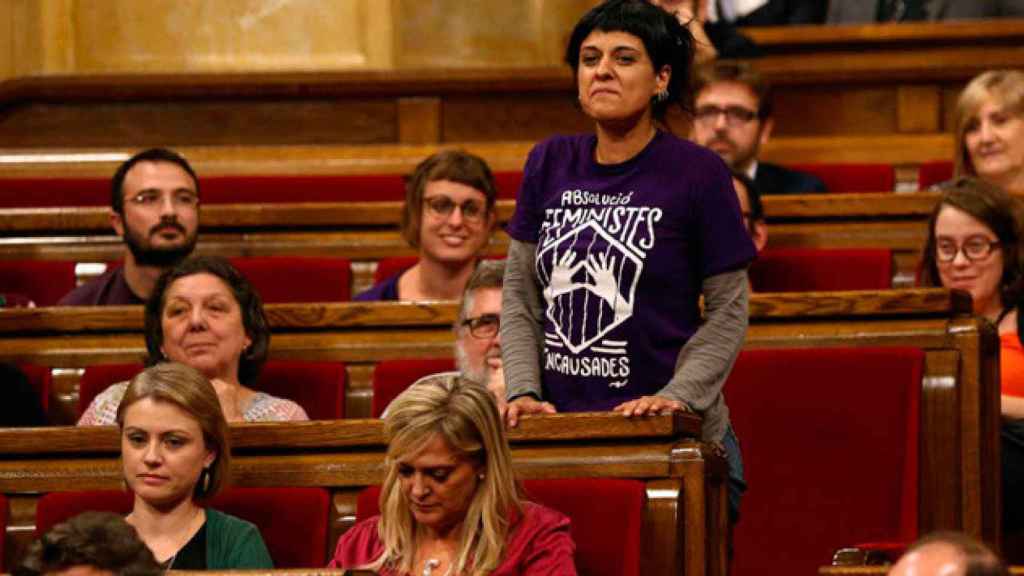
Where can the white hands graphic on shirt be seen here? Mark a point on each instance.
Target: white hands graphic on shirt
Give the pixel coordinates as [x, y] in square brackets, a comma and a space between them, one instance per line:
[600, 267]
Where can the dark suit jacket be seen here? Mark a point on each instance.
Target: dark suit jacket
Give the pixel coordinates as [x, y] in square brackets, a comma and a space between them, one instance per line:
[860, 11]
[774, 179]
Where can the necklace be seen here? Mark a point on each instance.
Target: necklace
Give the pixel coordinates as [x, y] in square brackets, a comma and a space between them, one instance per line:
[428, 568]
[170, 562]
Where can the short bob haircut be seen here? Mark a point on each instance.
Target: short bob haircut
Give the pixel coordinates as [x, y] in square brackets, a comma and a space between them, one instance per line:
[454, 165]
[150, 155]
[102, 540]
[998, 211]
[465, 415]
[184, 387]
[667, 42]
[1006, 87]
[253, 319]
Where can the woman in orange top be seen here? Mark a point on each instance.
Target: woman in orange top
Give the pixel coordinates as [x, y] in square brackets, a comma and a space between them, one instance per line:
[974, 244]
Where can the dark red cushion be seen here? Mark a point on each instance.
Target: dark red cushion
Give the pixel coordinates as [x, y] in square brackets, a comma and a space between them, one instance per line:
[811, 269]
[392, 266]
[319, 387]
[293, 521]
[934, 172]
[298, 278]
[54, 192]
[830, 449]
[607, 518]
[852, 177]
[392, 377]
[43, 281]
[41, 379]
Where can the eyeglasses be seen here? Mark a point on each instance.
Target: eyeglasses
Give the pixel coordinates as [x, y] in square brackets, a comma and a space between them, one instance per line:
[483, 326]
[734, 115]
[443, 206]
[185, 198]
[974, 248]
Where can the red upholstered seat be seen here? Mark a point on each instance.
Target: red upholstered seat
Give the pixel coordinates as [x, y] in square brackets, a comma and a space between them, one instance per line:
[319, 387]
[297, 278]
[830, 450]
[391, 266]
[53, 192]
[293, 521]
[852, 177]
[606, 514]
[43, 281]
[810, 269]
[391, 377]
[41, 379]
[934, 172]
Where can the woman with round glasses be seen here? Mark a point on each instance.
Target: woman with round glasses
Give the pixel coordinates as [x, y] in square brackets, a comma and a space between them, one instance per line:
[990, 129]
[448, 217]
[615, 238]
[974, 244]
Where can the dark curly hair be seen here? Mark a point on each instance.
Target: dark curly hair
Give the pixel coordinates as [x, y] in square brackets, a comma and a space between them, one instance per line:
[253, 319]
[102, 540]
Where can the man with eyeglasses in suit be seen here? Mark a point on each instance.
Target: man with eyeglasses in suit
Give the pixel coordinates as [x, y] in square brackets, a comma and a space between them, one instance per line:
[732, 116]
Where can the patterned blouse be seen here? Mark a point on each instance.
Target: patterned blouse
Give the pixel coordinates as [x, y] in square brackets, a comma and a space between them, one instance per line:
[102, 411]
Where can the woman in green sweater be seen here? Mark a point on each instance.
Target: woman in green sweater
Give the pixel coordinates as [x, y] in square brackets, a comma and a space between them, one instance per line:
[175, 454]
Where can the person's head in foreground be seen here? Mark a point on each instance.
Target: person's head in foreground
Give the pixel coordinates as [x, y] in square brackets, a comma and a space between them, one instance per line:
[90, 544]
[477, 334]
[631, 61]
[948, 554]
[175, 455]
[973, 244]
[449, 497]
[990, 129]
[751, 208]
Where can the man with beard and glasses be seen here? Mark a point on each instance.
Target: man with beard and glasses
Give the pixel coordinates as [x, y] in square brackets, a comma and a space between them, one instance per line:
[154, 208]
[733, 117]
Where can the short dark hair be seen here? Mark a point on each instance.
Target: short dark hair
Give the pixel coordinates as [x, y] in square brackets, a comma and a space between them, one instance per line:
[740, 73]
[667, 42]
[753, 196]
[979, 560]
[254, 320]
[102, 540]
[454, 165]
[149, 155]
[488, 274]
[994, 208]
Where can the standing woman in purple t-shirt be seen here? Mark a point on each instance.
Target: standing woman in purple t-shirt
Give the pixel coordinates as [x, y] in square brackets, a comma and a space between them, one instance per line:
[615, 238]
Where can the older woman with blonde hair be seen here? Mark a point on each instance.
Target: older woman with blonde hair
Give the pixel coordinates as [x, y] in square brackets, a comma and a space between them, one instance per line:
[990, 129]
[450, 502]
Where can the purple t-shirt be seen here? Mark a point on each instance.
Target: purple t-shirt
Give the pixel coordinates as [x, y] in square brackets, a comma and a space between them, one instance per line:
[621, 253]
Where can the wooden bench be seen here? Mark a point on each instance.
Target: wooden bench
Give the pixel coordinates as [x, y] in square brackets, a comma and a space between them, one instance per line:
[684, 521]
[960, 415]
[365, 232]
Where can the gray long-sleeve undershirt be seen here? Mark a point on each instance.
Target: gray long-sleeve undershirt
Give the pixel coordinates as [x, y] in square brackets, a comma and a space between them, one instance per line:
[701, 368]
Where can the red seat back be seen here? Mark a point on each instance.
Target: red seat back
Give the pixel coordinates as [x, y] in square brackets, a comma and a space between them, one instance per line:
[319, 387]
[830, 449]
[297, 278]
[43, 281]
[852, 177]
[607, 519]
[293, 521]
[391, 377]
[934, 172]
[391, 266]
[55, 192]
[812, 269]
